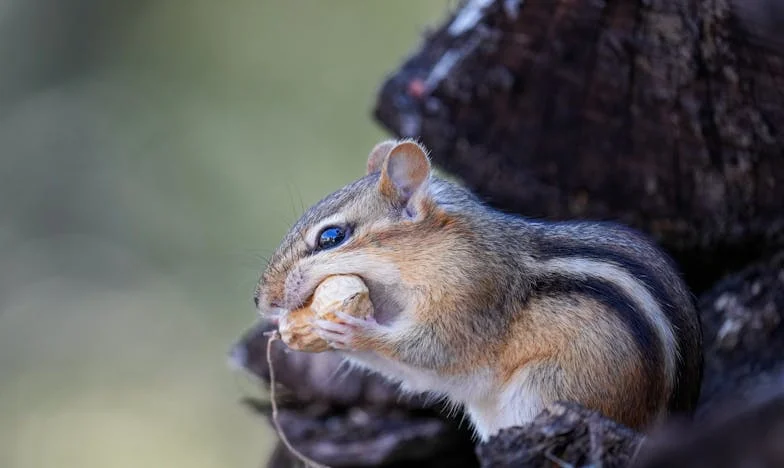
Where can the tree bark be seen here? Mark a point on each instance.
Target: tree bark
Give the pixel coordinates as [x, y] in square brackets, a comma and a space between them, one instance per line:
[661, 114]
[743, 325]
[564, 433]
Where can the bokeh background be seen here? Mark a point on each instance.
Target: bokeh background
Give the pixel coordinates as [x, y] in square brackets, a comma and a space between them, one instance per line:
[151, 154]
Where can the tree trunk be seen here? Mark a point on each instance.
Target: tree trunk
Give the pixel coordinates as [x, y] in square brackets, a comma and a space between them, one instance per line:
[661, 114]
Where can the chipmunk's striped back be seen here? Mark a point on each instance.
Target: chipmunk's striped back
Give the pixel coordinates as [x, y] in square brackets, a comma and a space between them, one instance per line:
[657, 307]
[620, 330]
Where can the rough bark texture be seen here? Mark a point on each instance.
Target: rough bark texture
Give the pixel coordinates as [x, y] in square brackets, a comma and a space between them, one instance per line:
[661, 114]
[743, 325]
[565, 433]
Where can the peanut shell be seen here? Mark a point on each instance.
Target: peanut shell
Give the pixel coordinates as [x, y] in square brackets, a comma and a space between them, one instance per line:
[346, 293]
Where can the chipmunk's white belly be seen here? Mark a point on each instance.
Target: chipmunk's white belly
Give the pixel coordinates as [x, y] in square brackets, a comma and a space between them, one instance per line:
[490, 407]
[515, 404]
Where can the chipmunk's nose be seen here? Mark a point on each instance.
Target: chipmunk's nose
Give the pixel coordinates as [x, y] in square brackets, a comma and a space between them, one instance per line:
[263, 302]
[270, 310]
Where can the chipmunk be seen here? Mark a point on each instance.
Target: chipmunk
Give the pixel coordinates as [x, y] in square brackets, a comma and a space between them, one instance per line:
[495, 312]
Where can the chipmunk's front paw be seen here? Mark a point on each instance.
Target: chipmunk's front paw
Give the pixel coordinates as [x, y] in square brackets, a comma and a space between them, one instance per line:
[349, 334]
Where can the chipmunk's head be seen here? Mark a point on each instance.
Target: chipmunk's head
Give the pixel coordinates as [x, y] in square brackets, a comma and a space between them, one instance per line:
[391, 227]
[376, 227]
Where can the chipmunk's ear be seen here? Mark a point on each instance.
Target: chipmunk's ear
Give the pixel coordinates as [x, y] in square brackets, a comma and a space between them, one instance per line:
[378, 154]
[405, 175]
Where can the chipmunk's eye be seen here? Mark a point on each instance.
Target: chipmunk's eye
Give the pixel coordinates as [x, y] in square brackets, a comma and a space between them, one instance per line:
[331, 236]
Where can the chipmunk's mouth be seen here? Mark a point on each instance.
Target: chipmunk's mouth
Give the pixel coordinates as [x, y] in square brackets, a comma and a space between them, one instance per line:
[384, 305]
[271, 313]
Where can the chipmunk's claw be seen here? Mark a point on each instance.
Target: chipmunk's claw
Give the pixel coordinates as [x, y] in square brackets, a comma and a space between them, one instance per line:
[337, 335]
[369, 322]
[347, 334]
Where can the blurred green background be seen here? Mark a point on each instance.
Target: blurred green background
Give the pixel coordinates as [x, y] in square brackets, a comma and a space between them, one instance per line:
[151, 153]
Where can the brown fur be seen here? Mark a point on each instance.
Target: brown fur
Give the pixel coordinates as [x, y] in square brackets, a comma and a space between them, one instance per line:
[569, 340]
[430, 285]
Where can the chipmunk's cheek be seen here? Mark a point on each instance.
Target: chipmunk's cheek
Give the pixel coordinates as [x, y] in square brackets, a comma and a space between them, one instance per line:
[386, 302]
[295, 288]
